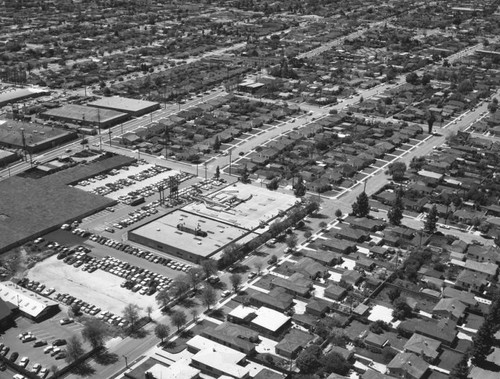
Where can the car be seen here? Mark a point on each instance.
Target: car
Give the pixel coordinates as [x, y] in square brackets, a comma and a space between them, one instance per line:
[24, 361]
[476, 242]
[36, 367]
[22, 335]
[59, 342]
[55, 351]
[14, 356]
[225, 293]
[61, 355]
[40, 343]
[43, 373]
[18, 376]
[48, 349]
[109, 230]
[252, 275]
[66, 321]
[5, 351]
[29, 338]
[3, 366]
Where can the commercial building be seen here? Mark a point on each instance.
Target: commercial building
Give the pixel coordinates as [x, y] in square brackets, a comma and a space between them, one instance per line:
[188, 236]
[177, 370]
[29, 303]
[33, 137]
[86, 116]
[132, 107]
[15, 95]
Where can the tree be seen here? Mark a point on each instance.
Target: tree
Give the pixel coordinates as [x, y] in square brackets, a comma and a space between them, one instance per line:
[395, 214]
[195, 276]
[217, 143]
[361, 208]
[412, 78]
[194, 314]
[401, 309]
[178, 319]
[163, 298]
[430, 121]
[245, 175]
[209, 267]
[149, 310]
[74, 349]
[308, 360]
[397, 170]
[131, 314]
[338, 214]
[291, 241]
[334, 362]
[299, 188]
[217, 172]
[208, 296]
[482, 343]
[258, 266]
[94, 332]
[180, 285]
[235, 280]
[393, 294]
[54, 369]
[162, 331]
[493, 105]
[431, 220]
[461, 369]
[273, 185]
[426, 79]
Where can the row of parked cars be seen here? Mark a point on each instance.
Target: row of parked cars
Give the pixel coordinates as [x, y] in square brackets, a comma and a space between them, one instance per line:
[36, 286]
[137, 279]
[126, 248]
[137, 215]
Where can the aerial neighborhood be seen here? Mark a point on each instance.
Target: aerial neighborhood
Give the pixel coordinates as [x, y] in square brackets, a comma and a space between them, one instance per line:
[249, 189]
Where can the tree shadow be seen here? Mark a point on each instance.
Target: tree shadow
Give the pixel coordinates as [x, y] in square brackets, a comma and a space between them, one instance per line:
[188, 303]
[138, 333]
[83, 369]
[186, 334]
[260, 253]
[490, 366]
[217, 313]
[106, 358]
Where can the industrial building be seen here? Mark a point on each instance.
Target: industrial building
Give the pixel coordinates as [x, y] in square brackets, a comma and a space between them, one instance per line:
[86, 116]
[132, 107]
[14, 95]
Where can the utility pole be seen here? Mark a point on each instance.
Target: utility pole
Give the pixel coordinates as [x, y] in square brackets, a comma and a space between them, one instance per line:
[230, 156]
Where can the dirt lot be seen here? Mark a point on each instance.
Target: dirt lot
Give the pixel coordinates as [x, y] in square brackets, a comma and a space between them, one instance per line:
[100, 288]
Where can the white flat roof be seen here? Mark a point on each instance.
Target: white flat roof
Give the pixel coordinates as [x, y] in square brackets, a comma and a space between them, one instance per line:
[201, 343]
[269, 319]
[122, 103]
[178, 370]
[224, 360]
[242, 311]
[27, 301]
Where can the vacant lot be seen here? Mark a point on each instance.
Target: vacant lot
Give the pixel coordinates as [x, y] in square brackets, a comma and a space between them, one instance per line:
[100, 287]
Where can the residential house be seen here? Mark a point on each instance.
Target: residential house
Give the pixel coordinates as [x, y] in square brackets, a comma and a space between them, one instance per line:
[424, 347]
[277, 299]
[375, 342]
[318, 307]
[235, 336]
[489, 254]
[408, 366]
[337, 245]
[324, 257]
[350, 234]
[335, 292]
[309, 268]
[489, 269]
[293, 342]
[443, 330]
[296, 284]
[352, 277]
[366, 224]
[471, 280]
[465, 297]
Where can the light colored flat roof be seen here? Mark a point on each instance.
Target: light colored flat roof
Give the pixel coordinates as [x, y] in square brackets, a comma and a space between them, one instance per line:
[269, 319]
[201, 343]
[242, 311]
[27, 301]
[178, 370]
[223, 362]
[11, 95]
[164, 230]
[430, 174]
[257, 204]
[123, 104]
[82, 112]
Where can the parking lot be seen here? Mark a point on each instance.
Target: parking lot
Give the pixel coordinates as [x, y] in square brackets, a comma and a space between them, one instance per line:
[47, 331]
[100, 288]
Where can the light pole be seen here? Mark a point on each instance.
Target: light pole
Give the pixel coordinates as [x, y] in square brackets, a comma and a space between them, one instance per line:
[126, 361]
[230, 155]
[205, 170]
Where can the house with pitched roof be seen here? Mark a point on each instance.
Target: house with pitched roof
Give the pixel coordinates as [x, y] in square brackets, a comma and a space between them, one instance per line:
[408, 366]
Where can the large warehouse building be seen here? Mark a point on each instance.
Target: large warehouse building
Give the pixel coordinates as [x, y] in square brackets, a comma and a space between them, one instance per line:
[36, 136]
[86, 116]
[14, 95]
[123, 104]
[187, 235]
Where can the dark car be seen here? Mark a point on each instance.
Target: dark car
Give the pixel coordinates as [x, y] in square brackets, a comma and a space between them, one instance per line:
[39, 343]
[61, 355]
[3, 366]
[59, 342]
[14, 356]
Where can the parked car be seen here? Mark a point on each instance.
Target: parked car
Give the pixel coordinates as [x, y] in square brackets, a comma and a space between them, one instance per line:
[59, 342]
[66, 321]
[40, 343]
[14, 356]
[24, 361]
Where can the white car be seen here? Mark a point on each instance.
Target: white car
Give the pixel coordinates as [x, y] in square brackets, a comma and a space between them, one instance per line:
[24, 361]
